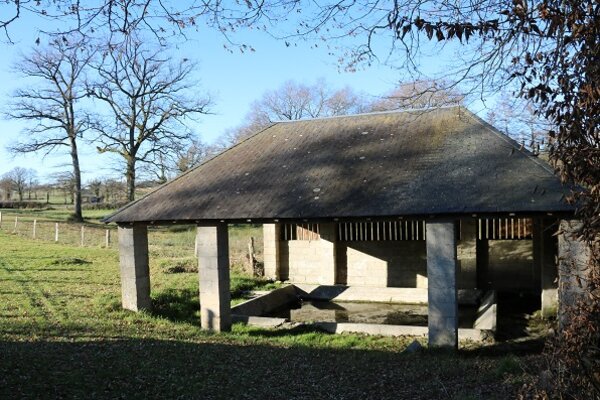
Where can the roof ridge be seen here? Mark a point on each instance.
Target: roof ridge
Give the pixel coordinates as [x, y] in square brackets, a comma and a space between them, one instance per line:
[395, 111]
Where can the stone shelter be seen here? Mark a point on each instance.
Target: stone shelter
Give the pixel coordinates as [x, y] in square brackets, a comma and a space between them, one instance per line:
[435, 201]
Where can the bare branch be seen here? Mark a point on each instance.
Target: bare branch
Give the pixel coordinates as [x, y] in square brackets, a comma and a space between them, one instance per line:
[52, 105]
[150, 99]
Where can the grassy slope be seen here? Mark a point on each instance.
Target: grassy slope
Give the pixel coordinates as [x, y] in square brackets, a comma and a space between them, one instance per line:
[63, 334]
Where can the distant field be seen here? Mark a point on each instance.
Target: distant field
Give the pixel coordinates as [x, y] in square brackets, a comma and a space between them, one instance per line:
[63, 334]
[56, 214]
[174, 241]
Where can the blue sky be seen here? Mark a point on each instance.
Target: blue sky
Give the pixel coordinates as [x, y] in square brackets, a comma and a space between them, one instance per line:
[234, 81]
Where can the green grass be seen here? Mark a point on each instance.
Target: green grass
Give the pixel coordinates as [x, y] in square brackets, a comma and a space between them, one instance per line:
[53, 214]
[170, 246]
[63, 334]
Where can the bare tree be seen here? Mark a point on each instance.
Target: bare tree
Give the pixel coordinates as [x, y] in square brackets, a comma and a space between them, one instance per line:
[95, 186]
[519, 119]
[150, 100]
[46, 189]
[65, 183]
[32, 183]
[293, 101]
[418, 95]
[6, 187]
[53, 104]
[112, 17]
[118, 20]
[113, 190]
[18, 178]
[194, 154]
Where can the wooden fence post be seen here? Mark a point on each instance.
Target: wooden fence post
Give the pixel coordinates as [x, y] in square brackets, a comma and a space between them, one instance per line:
[0, 219]
[16, 224]
[107, 244]
[82, 235]
[251, 257]
[56, 232]
[34, 227]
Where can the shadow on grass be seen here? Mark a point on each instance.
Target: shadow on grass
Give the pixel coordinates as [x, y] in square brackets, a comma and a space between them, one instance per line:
[501, 349]
[183, 305]
[177, 305]
[148, 368]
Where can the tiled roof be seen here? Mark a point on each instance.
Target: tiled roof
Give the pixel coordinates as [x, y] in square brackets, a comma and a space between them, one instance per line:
[405, 163]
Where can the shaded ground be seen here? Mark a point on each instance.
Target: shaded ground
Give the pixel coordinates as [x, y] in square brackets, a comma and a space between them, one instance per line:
[63, 335]
[148, 368]
[518, 319]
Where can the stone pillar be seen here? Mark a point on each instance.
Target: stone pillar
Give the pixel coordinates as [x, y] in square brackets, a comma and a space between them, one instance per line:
[271, 239]
[135, 273]
[573, 257]
[544, 259]
[442, 293]
[213, 271]
[328, 233]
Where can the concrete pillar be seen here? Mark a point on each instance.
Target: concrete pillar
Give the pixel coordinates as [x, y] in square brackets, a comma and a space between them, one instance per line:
[328, 233]
[573, 258]
[544, 261]
[442, 293]
[271, 239]
[135, 273]
[213, 271]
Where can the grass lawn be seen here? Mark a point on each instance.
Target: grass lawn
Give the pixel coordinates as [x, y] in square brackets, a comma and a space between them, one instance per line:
[56, 213]
[63, 335]
[170, 244]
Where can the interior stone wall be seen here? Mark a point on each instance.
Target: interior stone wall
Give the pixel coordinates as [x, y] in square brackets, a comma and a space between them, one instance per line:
[511, 265]
[404, 263]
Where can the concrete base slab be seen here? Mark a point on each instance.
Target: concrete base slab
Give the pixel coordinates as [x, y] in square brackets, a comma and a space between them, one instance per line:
[250, 312]
[372, 329]
[263, 322]
[474, 335]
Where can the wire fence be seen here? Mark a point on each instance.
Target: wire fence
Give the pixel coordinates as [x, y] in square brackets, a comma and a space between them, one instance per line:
[245, 244]
[71, 233]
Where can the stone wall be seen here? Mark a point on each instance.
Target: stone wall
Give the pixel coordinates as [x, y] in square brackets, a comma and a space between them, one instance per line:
[511, 265]
[466, 254]
[393, 264]
[403, 263]
[310, 261]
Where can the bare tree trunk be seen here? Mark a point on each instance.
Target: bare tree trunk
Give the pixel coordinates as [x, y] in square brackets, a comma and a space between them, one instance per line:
[254, 267]
[77, 214]
[130, 177]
